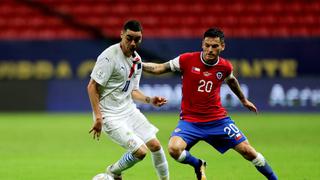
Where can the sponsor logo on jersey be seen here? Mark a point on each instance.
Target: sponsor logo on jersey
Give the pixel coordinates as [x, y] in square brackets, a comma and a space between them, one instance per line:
[219, 75]
[207, 73]
[195, 70]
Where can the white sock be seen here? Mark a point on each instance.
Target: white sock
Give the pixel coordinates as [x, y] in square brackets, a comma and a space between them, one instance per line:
[182, 156]
[160, 163]
[125, 162]
[259, 160]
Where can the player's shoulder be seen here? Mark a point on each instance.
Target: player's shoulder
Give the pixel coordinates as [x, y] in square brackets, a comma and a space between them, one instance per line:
[189, 56]
[110, 53]
[224, 62]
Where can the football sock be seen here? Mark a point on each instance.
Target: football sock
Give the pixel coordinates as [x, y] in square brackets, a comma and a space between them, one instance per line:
[160, 163]
[263, 167]
[125, 162]
[186, 158]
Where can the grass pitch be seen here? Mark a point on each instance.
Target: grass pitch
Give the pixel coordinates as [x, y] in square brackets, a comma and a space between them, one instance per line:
[42, 146]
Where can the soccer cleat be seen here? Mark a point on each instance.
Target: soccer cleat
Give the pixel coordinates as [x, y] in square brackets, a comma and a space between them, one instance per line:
[200, 171]
[115, 176]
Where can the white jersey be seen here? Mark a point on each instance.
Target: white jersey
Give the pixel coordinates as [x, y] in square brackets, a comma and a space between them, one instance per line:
[118, 75]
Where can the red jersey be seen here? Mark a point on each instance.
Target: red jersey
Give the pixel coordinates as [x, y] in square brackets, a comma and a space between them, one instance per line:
[201, 84]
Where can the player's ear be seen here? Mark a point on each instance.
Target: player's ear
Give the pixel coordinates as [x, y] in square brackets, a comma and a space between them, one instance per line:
[202, 43]
[121, 34]
[222, 46]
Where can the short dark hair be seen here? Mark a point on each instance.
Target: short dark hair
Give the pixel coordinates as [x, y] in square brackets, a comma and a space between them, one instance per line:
[214, 32]
[132, 25]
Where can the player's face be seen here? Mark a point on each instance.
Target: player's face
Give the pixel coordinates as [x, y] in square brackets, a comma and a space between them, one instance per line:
[130, 41]
[212, 46]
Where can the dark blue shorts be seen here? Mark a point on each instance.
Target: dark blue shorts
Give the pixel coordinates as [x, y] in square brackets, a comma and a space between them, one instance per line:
[222, 134]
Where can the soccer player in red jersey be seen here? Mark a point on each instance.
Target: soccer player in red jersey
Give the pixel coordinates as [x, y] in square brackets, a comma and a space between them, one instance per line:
[202, 115]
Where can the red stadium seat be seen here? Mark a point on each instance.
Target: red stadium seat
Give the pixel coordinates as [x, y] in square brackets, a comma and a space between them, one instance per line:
[180, 18]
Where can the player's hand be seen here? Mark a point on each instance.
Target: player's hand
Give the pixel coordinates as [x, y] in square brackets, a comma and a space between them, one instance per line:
[96, 128]
[246, 103]
[158, 101]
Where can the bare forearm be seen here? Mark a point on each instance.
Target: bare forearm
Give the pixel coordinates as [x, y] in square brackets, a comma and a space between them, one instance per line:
[235, 87]
[155, 68]
[94, 98]
[137, 95]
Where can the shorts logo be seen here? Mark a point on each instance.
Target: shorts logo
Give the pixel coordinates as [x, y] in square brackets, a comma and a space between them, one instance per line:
[219, 75]
[131, 143]
[177, 130]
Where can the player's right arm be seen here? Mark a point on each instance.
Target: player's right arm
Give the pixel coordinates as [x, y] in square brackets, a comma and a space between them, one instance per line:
[94, 96]
[155, 68]
[99, 77]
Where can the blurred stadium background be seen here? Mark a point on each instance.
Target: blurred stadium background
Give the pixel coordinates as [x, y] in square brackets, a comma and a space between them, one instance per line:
[48, 48]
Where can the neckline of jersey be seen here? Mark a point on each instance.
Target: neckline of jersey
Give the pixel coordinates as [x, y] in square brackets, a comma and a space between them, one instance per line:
[202, 60]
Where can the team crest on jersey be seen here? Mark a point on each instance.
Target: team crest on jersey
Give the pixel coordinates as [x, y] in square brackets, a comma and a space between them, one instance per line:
[100, 74]
[219, 75]
[207, 73]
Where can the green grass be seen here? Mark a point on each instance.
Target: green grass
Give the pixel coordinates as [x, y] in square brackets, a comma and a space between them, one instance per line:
[58, 147]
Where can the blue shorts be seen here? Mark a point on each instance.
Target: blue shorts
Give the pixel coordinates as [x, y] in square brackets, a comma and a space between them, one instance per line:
[222, 134]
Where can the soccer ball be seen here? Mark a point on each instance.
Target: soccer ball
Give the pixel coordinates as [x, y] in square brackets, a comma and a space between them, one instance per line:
[102, 176]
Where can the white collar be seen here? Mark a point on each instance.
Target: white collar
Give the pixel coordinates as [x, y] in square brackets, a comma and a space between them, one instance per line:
[207, 63]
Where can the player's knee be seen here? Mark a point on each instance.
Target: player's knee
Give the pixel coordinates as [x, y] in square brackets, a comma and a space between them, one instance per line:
[154, 145]
[140, 153]
[174, 151]
[246, 150]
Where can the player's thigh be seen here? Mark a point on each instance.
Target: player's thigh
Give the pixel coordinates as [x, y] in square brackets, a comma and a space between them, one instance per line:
[188, 133]
[126, 138]
[142, 127]
[224, 136]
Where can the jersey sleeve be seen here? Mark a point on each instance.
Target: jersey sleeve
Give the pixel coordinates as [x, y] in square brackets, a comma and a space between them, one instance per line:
[174, 64]
[183, 61]
[102, 70]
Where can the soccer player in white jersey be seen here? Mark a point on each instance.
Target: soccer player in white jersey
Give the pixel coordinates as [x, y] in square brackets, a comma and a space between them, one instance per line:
[113, 86]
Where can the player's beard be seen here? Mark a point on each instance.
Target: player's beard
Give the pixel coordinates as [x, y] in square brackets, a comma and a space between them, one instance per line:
[211, 58]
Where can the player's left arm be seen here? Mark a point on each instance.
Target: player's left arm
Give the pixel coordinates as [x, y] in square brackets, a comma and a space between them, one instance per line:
[138, 95]
[234, 85]
[156, 68]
